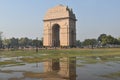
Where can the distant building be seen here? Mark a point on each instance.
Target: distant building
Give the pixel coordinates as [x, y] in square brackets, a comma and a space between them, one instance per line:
[59, 27]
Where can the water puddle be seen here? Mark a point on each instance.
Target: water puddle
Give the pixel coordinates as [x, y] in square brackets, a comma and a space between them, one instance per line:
[66, 68]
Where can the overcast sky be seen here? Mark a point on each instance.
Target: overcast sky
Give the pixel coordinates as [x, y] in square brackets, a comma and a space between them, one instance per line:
[24, 18]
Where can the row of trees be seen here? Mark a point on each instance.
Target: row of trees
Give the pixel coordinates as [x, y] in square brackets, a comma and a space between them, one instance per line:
[16, 43]
[102, 41]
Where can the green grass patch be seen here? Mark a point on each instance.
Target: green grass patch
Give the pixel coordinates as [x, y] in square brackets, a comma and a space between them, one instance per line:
[90, 55]
[31, 60]
[10, 62]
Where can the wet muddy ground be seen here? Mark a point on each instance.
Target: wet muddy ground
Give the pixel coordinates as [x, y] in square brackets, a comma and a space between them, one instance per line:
[65, 68]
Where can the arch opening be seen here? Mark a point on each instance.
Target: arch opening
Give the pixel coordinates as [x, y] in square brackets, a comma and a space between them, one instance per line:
[56, 35]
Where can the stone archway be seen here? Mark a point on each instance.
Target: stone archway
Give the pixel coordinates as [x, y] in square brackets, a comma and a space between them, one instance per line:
[56, 35]
[59, 27]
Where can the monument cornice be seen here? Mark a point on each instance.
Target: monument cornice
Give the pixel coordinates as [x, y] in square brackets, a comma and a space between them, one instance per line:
[59, 19]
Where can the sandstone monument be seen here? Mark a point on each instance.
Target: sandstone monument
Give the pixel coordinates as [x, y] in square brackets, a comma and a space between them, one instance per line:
[59, 27]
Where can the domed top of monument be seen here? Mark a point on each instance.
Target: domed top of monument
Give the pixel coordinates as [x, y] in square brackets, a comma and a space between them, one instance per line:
[59, 11]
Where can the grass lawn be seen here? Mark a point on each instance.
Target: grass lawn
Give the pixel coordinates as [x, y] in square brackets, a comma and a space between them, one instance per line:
[91, 55]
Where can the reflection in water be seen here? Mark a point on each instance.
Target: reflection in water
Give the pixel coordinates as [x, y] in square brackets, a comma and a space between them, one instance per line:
[52, 69]
[61, 69]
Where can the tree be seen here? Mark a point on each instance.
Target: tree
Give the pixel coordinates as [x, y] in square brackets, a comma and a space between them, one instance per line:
[24, 42]
[6, 43]
[107, 40]
[78, 43]
[1, 40]
[90, 42]
[14, 43]
[118, 41]
[110, 39]
[36, 42]
[101, 37]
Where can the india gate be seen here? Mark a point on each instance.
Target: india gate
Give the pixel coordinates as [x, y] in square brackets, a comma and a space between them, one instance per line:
[59, 27]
